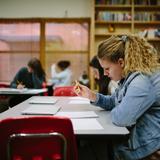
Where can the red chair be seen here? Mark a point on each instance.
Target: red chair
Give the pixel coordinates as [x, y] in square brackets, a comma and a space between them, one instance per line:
[44, 85]
[64, 91]
[37, 138]
[4, 85]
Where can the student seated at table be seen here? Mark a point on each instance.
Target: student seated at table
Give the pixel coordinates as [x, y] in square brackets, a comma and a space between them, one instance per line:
[84, 79]
[133, 62]
[61, 74]
[105, 84]
[32, 76]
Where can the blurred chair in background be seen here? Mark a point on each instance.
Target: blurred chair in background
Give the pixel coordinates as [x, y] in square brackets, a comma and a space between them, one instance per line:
[64, 91]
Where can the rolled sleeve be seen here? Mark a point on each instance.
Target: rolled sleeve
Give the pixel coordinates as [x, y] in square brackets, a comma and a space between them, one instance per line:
[105, 102]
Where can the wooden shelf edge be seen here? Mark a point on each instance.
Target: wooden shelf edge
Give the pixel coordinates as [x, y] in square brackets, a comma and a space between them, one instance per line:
[113, 22]
[113, 7]
[146, 22]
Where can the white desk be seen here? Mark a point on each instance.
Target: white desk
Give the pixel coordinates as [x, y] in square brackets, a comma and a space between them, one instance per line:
[109, 129]
[14, 91]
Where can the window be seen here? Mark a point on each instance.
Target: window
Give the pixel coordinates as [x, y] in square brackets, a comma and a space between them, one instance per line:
[18, 43]
[60, 39]
[67, 41]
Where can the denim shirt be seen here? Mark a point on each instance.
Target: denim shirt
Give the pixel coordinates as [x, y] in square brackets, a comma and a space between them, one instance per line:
[136, 105]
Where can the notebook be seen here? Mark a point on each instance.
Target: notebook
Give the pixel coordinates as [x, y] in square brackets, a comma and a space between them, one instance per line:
[37, 109]
[43, 100]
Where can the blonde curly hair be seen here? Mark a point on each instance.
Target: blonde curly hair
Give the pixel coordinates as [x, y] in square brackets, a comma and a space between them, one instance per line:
[137, 53]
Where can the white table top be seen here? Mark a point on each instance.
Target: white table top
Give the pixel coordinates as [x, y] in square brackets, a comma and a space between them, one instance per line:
[104, 118]
[14, 91]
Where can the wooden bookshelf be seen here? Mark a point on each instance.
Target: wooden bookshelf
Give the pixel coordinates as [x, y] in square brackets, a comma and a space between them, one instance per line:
[101, 23]
[118, 17]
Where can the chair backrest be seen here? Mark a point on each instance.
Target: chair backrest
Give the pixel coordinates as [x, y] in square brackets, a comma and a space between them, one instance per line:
[44, 85]
[64, 91]
[4, 85]
[37, 138]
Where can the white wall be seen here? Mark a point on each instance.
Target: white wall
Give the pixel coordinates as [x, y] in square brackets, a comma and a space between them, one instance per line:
[44, 8]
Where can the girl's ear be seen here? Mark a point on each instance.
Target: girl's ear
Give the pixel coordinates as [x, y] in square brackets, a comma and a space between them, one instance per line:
[121, 62]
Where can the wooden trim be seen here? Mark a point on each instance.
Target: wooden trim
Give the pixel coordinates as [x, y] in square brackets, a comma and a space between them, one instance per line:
[70, 52]
[20, 52]
[132, 14]
[113, 22]
[36, 20]
[109, 34]
[147, 22]
[42, 43]
[50, 52]
[92, 42]
[143, 8]
[113, 7]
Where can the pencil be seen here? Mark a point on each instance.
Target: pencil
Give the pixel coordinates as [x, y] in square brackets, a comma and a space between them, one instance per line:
[18, 82]
[77, 86]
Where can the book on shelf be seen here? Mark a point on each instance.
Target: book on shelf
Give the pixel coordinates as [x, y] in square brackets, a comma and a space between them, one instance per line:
[150, 33]
[113, 2]
[112, 16]
[146, 2]
[145, 16]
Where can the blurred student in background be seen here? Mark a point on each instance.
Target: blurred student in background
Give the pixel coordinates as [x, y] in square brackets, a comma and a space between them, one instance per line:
[105, 84]
[61, 74]
[84, 79]
[32, 76]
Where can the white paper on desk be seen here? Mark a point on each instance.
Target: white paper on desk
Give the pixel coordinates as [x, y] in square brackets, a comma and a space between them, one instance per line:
[43, 100]
[79, 102]
[79, 98]
[39, 109]
[86, 124]
[13, 90]
[35, 91]
[84, 114]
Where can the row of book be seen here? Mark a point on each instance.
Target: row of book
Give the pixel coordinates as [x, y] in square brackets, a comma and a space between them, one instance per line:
[121, 16]
[147, 2]
[146, 16]
[113, 1]
[112, 16]
[127, 2]
[150, 33]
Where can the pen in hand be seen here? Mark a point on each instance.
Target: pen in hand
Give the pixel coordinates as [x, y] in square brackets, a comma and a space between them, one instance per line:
[20, 85]
[77, 87]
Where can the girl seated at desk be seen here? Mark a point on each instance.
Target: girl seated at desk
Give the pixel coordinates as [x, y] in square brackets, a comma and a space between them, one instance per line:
[32, 76]
[133, 62]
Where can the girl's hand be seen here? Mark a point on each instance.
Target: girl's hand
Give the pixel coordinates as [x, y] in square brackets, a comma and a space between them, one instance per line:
[20, 86]
[84, 91]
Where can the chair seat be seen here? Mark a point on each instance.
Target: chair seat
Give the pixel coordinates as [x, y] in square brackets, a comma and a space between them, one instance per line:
[64, 91]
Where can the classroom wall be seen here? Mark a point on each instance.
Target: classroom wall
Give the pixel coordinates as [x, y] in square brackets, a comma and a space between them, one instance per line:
[45, 8]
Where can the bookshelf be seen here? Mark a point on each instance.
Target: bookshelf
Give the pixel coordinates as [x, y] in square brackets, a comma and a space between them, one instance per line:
[117, 17]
